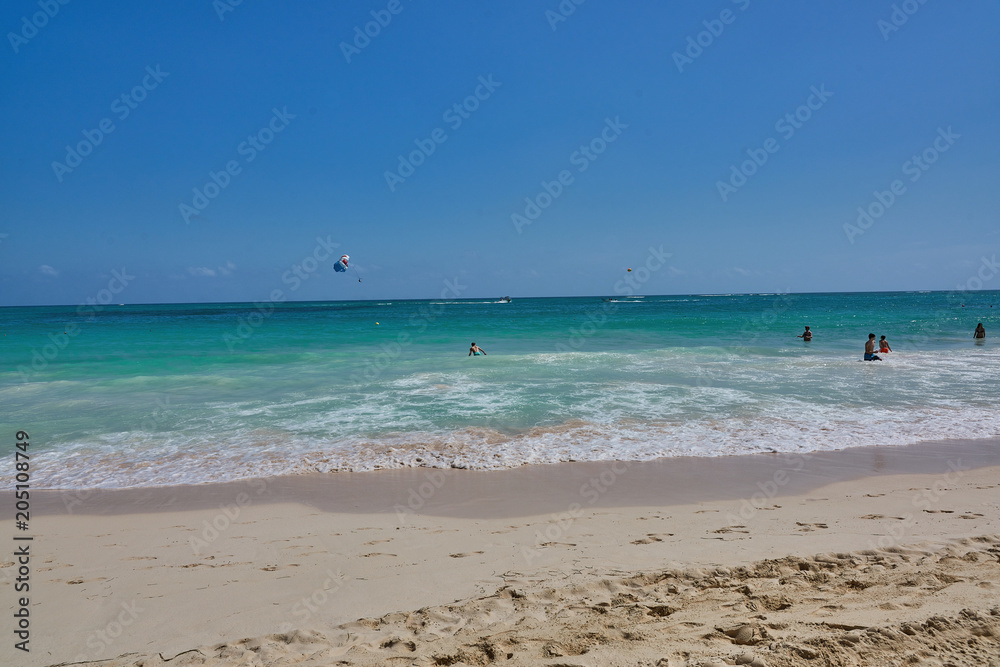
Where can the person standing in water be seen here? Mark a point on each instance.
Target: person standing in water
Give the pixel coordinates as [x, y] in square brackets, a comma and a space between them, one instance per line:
[806, 335]
[870, 349]
[476, 350]
[883, 345]
[980, 331]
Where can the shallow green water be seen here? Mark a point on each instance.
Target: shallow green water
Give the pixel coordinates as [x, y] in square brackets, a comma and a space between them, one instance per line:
[138, 395]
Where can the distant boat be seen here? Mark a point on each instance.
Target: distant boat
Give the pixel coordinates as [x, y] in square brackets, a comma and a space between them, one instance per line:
[504, 299]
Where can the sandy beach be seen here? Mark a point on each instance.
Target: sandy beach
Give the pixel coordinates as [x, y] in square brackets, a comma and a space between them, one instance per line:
[865, 556]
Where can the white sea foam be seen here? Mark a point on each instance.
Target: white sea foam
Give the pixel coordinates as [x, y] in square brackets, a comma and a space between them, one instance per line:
[148, 459]
[512, 410]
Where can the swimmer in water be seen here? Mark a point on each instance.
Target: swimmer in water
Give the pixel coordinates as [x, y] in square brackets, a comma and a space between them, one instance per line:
[476, 350]
[883, 345]
[806, 335]
[870, 349]
[980, 331]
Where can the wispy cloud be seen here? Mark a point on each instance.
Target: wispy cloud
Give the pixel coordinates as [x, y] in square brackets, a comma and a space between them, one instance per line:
[47, 270]
[206, 272]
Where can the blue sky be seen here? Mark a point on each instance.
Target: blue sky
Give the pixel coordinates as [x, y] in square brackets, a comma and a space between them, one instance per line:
[202, 84]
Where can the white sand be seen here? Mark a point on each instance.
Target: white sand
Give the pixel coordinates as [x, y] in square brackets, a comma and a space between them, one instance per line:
[886, 570]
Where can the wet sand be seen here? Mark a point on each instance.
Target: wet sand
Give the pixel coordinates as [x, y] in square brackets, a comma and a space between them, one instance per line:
[532, 490]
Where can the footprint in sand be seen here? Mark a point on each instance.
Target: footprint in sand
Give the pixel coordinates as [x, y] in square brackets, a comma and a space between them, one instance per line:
[872, 516]
[377, 553]
[971, 515]
[368, 544]
[54, 567]
[807, 527]
[652, 537]
[874, 495]
[731, 529]
[828, 610]
[74, 582]
[473, 553]
[940, 511]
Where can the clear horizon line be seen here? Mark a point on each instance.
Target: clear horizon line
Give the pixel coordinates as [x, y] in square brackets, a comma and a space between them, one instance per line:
[579, 296]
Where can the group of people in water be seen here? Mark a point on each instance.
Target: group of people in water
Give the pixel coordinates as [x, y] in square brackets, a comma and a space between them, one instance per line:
[883, 344]
[883, 348]
[870, 352]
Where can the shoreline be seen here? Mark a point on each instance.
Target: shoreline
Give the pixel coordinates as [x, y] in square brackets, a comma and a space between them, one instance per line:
[487, 493]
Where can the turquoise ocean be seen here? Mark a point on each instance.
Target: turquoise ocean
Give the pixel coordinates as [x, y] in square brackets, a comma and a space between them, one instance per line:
[143, 395]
